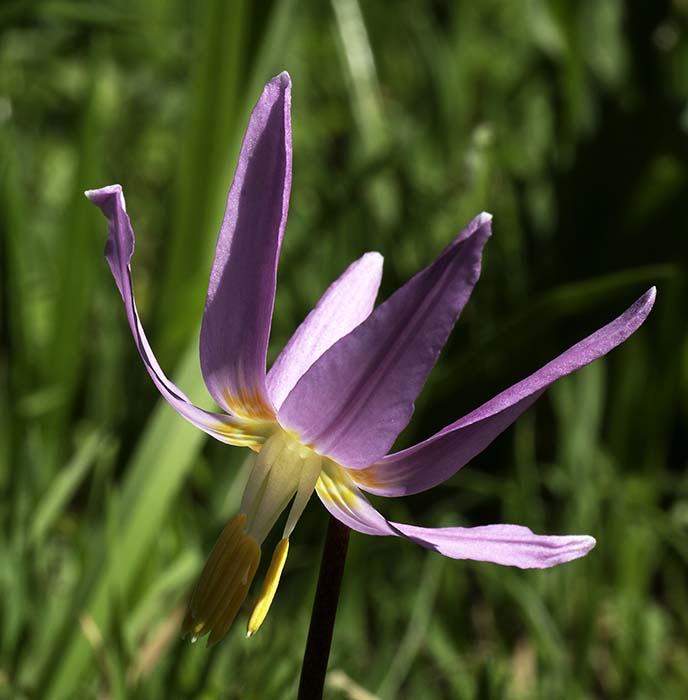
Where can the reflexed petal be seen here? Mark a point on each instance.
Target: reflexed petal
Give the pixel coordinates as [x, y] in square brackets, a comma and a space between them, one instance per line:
[118, 251]
[354, 401]
[347, 302]
[436, 459]
[241, 291]
[510, 545]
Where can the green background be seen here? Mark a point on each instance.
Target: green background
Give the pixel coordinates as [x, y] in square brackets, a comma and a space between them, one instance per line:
[567, 120]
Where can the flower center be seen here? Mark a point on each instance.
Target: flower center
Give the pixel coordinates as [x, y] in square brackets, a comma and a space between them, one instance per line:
[284, 469]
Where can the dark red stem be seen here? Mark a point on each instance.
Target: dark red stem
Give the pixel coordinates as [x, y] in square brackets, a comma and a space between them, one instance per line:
[317, 652]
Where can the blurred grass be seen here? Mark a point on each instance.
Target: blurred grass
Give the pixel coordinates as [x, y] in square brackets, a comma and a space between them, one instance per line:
[567, 121]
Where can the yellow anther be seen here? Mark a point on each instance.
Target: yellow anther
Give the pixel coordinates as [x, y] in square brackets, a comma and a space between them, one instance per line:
[225, 619]
[267, 592]
[224, 582]
[227, 543]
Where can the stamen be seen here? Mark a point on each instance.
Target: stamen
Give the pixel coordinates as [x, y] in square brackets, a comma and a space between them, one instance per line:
[267, 592]
[259, 473]
[223, 583]
[226, 544]
[308, 478]
[283, 470]
[276, 480]
[222, 592]
[224, 622]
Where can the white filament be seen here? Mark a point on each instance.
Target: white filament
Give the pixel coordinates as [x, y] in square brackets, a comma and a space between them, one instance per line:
[284, 469]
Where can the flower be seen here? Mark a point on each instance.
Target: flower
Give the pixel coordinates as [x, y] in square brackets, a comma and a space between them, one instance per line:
[325, 416]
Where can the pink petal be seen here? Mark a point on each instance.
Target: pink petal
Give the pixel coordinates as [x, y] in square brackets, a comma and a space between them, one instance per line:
[347, 302]
[241, 292]
[509, 545]
[118, 252]
[358, 396]
[436, 459]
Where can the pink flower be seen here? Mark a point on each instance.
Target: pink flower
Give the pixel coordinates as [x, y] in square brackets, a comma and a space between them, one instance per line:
[326, 414]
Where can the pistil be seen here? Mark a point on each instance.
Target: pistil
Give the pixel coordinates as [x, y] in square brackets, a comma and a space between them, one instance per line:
[267, 592]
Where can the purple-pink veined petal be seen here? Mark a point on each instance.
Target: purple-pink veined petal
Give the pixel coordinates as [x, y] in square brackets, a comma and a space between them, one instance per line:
[347, 302]
[436, 459]
[118, 252]
[358, 396]
[509, 545]
[241, 291]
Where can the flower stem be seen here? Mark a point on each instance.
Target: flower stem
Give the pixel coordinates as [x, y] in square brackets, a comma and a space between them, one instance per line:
[317, 651]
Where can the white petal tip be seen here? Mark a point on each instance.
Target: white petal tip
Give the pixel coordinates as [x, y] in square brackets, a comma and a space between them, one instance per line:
[103, 193]
[282, 80]
[482, 224]
[644, 304]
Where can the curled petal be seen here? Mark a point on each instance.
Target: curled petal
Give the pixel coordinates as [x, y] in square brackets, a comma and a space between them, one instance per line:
[358, 396]
[347, 302]
[241, 291]
[436, 459]
[509, 545]
[118, 252]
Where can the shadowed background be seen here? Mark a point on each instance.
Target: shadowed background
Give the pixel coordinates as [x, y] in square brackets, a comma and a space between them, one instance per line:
[567, 121]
